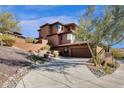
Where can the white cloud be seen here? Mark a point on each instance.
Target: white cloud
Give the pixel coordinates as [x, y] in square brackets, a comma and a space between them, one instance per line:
[30, 27]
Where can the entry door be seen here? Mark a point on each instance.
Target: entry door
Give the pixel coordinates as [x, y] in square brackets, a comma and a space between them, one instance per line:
[66, 51]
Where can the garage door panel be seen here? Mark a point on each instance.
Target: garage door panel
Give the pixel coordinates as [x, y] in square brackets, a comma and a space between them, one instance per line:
[80, 52]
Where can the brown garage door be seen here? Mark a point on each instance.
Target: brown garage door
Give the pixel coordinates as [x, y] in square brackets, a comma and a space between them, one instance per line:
[80, 52]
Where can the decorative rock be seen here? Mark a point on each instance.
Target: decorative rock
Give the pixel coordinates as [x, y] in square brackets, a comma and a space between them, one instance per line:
[13, 81]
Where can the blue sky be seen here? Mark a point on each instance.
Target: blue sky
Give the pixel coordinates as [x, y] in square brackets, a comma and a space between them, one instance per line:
[31, 17]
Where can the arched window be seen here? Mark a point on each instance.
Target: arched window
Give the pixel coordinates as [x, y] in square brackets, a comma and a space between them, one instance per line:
[58, 26]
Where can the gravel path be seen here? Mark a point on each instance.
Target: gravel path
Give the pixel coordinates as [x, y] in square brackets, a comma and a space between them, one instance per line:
[11, 60]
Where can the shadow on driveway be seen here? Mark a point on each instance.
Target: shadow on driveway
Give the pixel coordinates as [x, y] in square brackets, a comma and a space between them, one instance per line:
[59, 65]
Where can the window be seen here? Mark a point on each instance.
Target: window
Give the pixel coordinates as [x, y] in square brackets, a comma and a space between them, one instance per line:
[65, 49]
[58, 26]
[71, 37]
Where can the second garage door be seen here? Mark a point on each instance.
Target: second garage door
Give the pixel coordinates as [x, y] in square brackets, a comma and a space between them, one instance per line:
[80, 52]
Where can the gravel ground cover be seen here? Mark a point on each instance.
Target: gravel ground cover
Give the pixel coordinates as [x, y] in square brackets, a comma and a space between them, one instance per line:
[11, 61]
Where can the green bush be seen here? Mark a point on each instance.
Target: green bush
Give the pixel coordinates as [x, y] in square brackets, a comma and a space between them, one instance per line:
[107, 69]
[116, 53]
[36, 58]
[56, 53]
[110, 68]
[47, 47]
[7, 40]
[35, 41]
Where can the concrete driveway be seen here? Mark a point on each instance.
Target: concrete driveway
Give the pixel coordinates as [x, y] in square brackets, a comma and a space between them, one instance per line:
[70, 73]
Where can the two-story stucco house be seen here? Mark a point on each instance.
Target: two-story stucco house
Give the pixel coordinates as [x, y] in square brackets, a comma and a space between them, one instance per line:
[60, 37]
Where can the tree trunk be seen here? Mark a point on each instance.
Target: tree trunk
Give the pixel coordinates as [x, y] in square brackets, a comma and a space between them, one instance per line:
[93, 56]
[107, 49]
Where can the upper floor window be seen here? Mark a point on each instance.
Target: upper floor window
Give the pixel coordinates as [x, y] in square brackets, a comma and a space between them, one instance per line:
[58, 26]
[71, 37]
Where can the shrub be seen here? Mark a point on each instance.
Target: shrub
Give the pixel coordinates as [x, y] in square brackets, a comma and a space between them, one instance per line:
[110, 68]
[116, 53]
[107, 69]
[35, 41]
[56, 53]
[29, 40]
[7, 40]
[36, 59]
[47, 47]
[0, 38]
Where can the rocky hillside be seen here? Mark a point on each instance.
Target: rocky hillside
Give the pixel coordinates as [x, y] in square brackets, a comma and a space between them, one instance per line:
[11, 60]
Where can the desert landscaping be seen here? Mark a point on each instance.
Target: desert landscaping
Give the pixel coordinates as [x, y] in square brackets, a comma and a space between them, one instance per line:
[64, 55]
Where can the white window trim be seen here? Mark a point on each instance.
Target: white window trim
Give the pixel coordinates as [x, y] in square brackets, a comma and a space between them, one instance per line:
[71, 37]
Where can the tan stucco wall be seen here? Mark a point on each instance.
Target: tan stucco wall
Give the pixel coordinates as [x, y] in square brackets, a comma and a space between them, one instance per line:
[64, 39]
[61, 50]
[69, 27]
[53, 29]
[43, 41]
[44, 32]
[54, 40]
[20, 43]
